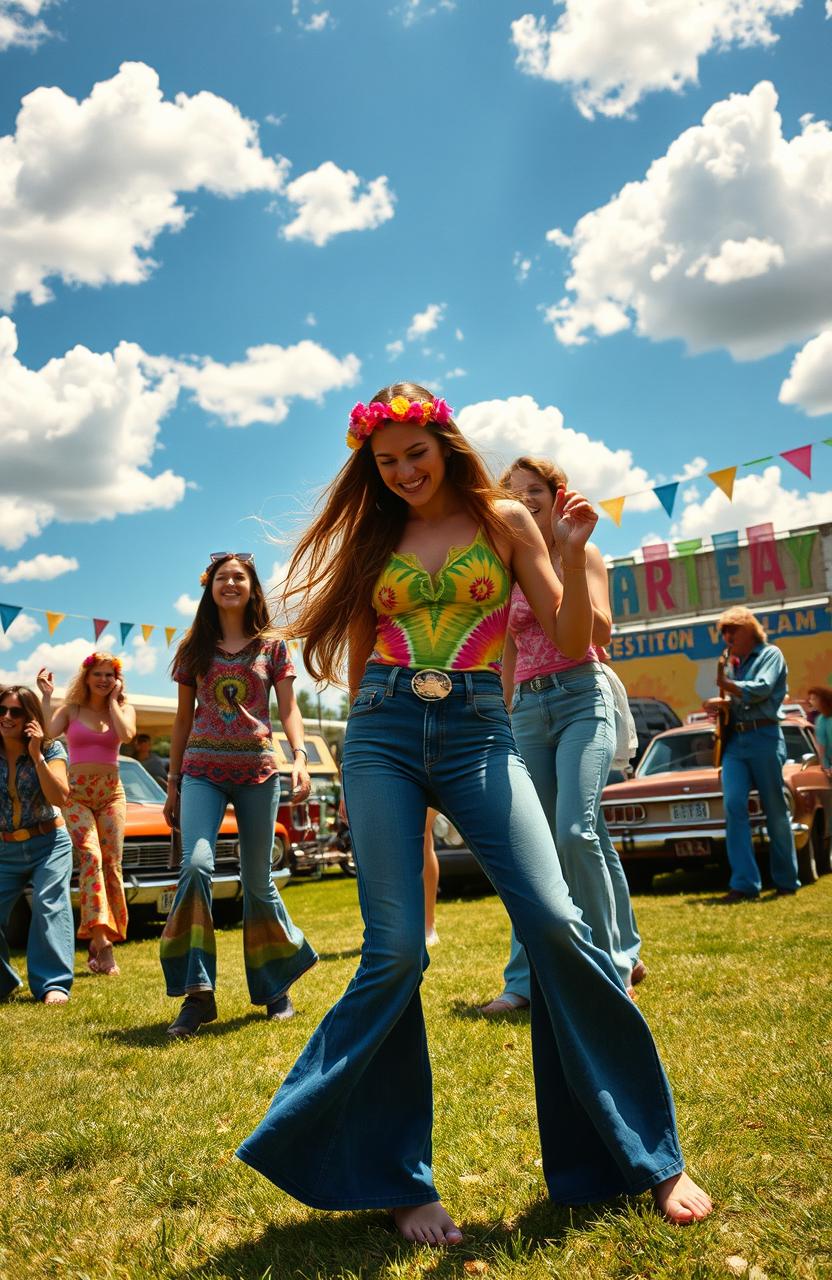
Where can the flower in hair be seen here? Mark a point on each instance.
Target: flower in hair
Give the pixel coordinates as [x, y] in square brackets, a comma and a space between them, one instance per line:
[93, 658]
[365, 418]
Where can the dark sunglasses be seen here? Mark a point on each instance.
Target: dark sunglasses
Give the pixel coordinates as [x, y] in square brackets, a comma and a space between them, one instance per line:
[245, 557]
[16, 713]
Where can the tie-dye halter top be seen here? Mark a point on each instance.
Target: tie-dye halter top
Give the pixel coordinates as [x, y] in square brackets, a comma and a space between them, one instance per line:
[454, 620]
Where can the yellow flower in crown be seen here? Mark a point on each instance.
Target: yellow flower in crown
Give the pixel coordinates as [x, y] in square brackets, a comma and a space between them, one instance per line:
[399, 406]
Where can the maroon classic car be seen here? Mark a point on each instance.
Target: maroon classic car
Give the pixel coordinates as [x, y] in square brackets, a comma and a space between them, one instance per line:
[670, 813]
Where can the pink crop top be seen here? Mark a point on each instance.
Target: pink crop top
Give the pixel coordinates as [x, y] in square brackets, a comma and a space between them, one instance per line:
[536, 655]
[87, 746]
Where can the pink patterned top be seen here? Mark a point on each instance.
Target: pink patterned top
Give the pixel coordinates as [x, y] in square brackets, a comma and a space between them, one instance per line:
[536, 655]
[231, 739]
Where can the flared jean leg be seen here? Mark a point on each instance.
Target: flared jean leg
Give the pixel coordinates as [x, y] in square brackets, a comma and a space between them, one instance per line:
[605, 1111]
[45, 862]
[350, 1127]
[188, 948]
[275, 951]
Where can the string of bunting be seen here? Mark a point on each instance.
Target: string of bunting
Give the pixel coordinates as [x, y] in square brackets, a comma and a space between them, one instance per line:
[800, 459]
[8, 613]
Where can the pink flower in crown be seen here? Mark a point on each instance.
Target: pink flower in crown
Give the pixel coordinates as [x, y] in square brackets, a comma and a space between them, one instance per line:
[442, 412]
[375, 413]
[358, 413]
[415, 412]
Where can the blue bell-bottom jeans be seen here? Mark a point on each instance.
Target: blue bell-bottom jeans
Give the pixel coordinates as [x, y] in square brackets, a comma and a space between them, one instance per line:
[275, 951]
[350, 1127]
[45, 863]
[566, 735]
[754, 760]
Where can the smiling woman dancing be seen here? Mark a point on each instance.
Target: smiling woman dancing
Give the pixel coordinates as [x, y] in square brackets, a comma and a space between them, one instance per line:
[410, 564]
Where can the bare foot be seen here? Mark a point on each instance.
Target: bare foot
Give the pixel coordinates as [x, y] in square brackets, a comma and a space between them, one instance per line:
[508, 1002]
[639, 972]
[55, 997]
[681, 1200]
[426, 1224]
[631, 992]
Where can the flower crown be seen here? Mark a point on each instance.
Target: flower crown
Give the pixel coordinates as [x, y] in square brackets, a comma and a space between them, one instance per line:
[93, 658]
[365, 418]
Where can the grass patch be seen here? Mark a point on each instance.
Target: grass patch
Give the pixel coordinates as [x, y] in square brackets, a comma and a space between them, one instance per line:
[116, 1146]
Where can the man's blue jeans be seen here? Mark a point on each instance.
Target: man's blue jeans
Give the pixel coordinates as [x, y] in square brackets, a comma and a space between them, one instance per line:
[45, 863]
[274, 949]
[566, 736]
[350, 1127]
[755, 760]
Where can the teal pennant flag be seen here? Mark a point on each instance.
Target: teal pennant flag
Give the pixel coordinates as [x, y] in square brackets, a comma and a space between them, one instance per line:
[666, 494]
[8, 613]
[126, 628]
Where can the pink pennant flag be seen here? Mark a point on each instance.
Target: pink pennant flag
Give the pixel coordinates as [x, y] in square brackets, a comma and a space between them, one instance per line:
[99, 625]
[800, 458]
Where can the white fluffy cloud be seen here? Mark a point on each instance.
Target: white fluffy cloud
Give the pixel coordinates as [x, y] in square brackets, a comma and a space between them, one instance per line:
[503, 429]
[613, 52]
[424, 322]
[809, 384]
[186, 605]
[20, 25]
[260, 388]
[727, 240]
[40, 568]
[77, 438]
[330, 201]
[757, 499]
[61, 659]
[86, 187]
[19, 632]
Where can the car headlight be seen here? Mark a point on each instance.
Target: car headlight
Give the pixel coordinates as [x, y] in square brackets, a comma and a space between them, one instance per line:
[444, 832]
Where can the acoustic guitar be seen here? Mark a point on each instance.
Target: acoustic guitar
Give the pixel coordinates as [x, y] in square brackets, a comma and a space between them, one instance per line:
[723, 715]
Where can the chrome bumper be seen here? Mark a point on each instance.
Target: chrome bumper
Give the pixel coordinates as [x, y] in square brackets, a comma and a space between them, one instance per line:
[145, 893]
[661, 842]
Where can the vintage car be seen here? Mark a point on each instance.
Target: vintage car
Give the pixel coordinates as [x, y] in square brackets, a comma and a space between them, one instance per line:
[316, 839]
[671, 813]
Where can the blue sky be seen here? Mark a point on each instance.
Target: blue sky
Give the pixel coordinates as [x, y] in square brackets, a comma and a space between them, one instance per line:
[196, 207]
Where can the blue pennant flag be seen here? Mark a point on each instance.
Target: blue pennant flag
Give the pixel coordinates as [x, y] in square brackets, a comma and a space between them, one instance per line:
[666, 494]
[8, 613]
[126, 628]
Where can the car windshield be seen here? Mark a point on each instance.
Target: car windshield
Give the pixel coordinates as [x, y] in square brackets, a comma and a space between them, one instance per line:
[676, 752]
[139, 787]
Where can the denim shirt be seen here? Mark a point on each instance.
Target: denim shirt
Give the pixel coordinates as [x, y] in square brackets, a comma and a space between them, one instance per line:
[22, 803]
[761, 679]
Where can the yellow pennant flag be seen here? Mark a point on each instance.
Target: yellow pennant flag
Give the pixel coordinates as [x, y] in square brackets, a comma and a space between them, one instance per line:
[170, 632]
[614, 508]
[53, 621]
[147, 631]
[724, 480]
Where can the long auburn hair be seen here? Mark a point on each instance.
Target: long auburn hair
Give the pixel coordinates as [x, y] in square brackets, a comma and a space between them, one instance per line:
[335, 565]
[78, 691]
[195, 651]
[30, 702]
[549, 472]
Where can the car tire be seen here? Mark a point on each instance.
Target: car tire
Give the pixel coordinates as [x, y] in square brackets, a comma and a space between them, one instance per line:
[807, 867]
[639, 878]
[228, 911]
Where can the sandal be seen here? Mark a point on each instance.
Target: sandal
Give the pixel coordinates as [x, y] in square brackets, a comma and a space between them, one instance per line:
[508, 1002]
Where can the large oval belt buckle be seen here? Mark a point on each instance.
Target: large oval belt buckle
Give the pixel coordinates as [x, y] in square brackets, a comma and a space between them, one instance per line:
[430, 685]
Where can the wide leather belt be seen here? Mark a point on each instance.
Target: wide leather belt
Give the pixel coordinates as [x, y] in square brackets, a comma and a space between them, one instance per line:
[27, 833]
[743, 726]
[431, 685]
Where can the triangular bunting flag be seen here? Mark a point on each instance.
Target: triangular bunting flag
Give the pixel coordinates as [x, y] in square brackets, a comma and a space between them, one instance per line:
[724, 480]
[828, 441]
[800, 458]
[688, 547]
[666, 494]
[8, 613]
[170, 632]
[614, 508]
[53, 621]
[99, 625]
[147, 631]
[126, 628]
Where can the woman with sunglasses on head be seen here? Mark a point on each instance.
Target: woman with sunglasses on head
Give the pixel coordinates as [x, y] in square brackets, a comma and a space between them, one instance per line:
[221, 750]
[409, 567]
[96, 719]
[34, 847]
[563, 718]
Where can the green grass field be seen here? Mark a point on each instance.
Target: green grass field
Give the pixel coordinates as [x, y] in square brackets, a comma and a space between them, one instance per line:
[116, 1157]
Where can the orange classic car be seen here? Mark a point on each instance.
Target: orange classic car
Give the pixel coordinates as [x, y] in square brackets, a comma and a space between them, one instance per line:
[671, 812]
